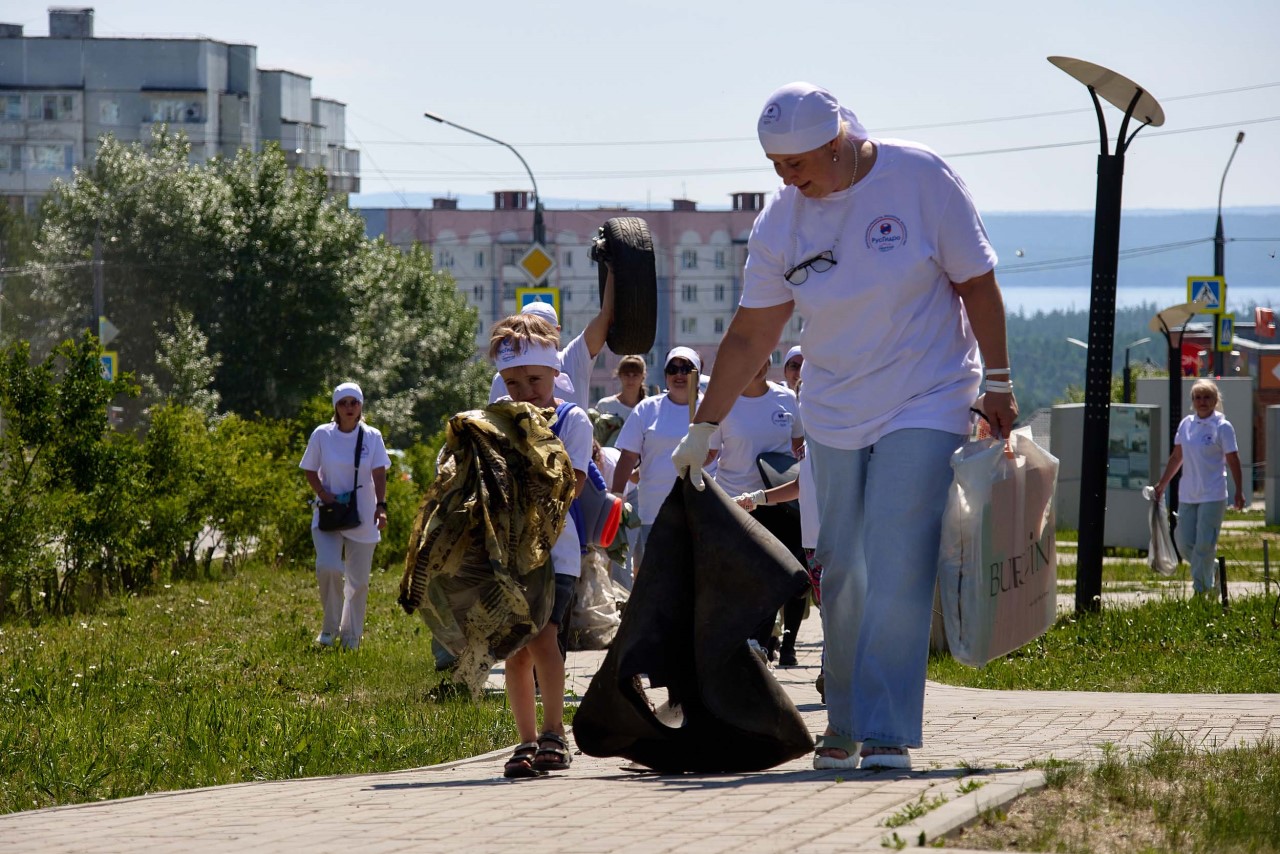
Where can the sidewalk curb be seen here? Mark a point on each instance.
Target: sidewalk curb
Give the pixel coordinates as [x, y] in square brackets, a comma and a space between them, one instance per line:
[966, 809]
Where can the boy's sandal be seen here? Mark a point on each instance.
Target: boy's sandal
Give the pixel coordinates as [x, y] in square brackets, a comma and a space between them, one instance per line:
[521, 762]
[553, 758]
[835, 742]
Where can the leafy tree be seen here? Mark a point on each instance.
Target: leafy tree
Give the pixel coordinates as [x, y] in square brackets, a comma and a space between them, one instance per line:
[17, 248]
[273, 270]
[183, 356]
[67, 482]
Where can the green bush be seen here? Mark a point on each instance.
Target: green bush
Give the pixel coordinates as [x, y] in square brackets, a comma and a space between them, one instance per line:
[88, 511]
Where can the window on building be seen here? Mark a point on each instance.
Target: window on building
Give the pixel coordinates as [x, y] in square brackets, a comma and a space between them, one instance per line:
[775, 358]
[10, 158]
[797, 324]
[445, 259]
[689, 293]
[480, 260]
[719, 292]
[109, 112]
[719, 259]
[568, 258]
[688, 324]
[689, 259]
[13, 108]
[511, 255]
[719, 325]
[175, 110]
[477, 293]
[50, 158]
[566, 294]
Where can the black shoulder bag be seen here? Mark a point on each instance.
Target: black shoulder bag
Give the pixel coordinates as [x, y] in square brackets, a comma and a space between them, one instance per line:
[343, 514]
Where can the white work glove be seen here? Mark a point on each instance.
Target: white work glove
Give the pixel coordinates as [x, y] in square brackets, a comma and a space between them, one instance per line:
[692, 451]
[750, 500]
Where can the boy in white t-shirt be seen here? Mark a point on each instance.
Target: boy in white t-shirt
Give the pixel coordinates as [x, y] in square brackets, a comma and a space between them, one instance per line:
[523, 348]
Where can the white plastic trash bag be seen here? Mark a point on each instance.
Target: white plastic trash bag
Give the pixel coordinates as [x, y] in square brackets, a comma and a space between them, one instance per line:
[595, 617]
[998, 562]
[1161, 554]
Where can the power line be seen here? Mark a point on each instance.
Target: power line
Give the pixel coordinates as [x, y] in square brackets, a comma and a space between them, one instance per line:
[733, 139]
[436, 175]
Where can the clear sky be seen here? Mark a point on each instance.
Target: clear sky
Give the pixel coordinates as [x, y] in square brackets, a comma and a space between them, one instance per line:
[643, 102]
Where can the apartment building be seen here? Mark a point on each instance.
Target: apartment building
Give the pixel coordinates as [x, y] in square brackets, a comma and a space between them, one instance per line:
[699, 254]
[59, 93]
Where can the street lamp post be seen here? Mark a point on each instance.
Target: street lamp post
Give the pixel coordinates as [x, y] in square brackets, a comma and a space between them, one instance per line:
[1135, 102]
[1128, 383]
[1219, 248]
[539, 230]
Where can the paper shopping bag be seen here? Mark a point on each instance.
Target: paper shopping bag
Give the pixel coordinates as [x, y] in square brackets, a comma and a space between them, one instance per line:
[998, 561]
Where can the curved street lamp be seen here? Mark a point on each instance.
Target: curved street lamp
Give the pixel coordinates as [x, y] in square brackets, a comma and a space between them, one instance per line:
[539, 231]
[1219, 247]
[1136, 103]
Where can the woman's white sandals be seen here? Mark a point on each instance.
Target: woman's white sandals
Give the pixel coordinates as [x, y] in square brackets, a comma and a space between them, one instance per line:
[885, 756]
[833, 763]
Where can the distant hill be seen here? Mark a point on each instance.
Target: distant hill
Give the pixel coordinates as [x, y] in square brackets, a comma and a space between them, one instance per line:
[1156, 247]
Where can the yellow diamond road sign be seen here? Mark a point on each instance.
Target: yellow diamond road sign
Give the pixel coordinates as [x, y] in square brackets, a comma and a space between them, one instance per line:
[536, 264]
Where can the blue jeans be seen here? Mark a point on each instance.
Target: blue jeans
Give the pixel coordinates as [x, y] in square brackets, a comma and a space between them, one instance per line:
[1197, 534]
[881, 513]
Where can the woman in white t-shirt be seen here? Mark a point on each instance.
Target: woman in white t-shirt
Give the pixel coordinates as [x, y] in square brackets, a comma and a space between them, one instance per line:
[344, 559]
[652, 431]
[1204, 448]
[877, 244]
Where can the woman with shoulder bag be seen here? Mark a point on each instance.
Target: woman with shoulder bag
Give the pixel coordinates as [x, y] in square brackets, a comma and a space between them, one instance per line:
[346, 466]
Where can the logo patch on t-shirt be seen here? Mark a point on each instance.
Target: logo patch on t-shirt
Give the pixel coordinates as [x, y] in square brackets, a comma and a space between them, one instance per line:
[781, 418]
[886, 233]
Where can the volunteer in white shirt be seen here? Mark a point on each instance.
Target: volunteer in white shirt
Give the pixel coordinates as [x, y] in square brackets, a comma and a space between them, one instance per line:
[344, 559]
[765, 419]
[1204, 448]
[648, 438]
[877, 244]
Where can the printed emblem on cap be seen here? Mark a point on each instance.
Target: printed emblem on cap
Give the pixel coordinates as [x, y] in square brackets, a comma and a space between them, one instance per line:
[507, 351]
[771, 114]
[886, 233]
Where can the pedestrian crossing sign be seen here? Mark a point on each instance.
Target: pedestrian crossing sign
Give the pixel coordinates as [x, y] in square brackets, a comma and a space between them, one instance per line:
[1226, 332]
[1210, 292]
[524, 296]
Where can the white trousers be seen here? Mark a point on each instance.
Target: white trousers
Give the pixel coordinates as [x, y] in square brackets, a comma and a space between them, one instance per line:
[342, 569]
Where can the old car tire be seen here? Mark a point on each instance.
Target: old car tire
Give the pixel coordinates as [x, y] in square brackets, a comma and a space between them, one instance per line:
[625, 244]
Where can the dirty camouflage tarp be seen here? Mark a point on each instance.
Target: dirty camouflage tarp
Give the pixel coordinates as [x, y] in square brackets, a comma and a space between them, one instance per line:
[478, 568]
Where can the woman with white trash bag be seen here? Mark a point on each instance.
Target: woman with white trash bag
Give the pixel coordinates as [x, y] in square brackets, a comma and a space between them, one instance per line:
[1204, 448]
[878, 245]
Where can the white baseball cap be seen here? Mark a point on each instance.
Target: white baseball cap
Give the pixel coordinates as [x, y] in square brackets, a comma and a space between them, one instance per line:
[792, 353]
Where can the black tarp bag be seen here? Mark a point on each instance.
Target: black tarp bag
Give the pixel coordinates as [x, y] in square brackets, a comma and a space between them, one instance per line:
[710, 575]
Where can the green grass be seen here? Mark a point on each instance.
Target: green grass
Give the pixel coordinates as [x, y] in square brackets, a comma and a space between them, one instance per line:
[1171, 797]
[1170, 646]
[219, 682]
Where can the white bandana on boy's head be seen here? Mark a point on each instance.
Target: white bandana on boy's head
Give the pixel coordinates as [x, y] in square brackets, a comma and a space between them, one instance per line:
[800, 117]
[512, 355]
